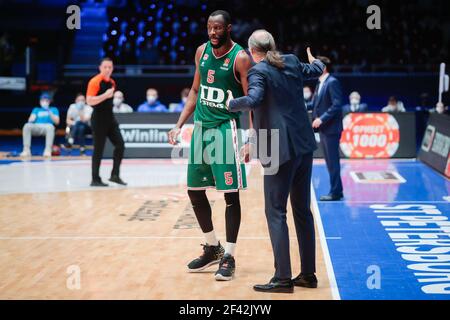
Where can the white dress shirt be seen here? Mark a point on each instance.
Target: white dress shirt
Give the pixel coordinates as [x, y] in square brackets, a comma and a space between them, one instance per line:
[321, 82]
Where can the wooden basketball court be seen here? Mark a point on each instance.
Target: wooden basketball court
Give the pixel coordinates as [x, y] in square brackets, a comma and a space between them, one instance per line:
[133, 243]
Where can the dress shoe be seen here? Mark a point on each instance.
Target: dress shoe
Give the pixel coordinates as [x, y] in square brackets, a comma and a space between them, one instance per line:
[98, 183]
[306, 280]
[116, 179]
[331, 197]
[276, 286]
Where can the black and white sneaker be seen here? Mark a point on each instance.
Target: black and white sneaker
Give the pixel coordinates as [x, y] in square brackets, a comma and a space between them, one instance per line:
[227, 267]
[211, 256]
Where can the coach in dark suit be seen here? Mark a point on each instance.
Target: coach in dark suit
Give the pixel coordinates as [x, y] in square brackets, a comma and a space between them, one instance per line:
[275, 94]
[327, 115]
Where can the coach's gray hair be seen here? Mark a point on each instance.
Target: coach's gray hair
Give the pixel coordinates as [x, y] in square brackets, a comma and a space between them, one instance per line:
[262, 41]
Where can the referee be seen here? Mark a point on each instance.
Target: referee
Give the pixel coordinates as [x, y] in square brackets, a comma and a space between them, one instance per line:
[99, 95]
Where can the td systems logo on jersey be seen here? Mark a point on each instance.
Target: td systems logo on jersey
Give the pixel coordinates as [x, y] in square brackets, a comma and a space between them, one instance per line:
[212, 97]
[421, 234]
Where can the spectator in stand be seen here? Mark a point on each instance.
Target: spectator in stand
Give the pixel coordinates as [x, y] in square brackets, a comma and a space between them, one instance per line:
[394, 106]
[178, 107]
[152, 104]
[332, 25]
[440, 109]
[41, 122]
[308, 97]
[355, 104]
[119, 106]
[79, 122]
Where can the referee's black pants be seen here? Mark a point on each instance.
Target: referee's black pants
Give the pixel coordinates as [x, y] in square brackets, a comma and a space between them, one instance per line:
[102, 128]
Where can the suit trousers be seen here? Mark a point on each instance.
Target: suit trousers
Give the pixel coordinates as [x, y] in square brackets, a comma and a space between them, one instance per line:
[293, 178]
[330, 143]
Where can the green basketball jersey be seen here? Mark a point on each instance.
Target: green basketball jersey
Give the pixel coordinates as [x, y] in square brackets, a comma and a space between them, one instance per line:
[216, 77]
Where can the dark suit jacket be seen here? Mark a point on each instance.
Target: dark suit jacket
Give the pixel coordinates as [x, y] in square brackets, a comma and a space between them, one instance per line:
[276, 98]
[362, 108]
[328, 106]
[309, 104]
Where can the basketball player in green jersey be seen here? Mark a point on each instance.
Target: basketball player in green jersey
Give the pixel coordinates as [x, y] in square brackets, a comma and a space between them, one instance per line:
[221, 65]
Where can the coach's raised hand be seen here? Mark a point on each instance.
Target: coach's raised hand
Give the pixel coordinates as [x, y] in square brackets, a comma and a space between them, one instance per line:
[311, 58]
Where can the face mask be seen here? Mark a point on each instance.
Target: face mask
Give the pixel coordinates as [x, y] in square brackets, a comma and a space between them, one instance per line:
[184, 99]
[306, 94]
[45, 104]
[354, 101]
[151, 99]
[80, 105]
[117, 101]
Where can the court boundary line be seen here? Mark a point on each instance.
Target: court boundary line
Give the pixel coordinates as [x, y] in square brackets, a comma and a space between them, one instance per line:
[124, 238]
[323, 242]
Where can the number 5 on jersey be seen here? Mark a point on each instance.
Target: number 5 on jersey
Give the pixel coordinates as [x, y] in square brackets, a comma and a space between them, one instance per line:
[210, 77]
[228, 178]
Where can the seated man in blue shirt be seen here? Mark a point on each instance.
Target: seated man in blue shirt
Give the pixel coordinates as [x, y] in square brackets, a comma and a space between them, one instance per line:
[178, 107]
[152, 104]
[41, 122]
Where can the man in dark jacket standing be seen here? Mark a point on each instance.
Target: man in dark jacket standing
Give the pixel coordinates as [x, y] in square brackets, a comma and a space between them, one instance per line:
[327, 115]
[275, 94]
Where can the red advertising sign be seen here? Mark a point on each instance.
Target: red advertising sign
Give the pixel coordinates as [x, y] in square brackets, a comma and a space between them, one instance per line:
[370, 135]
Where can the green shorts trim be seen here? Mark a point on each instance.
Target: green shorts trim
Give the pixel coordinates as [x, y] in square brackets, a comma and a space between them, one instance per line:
[214, 160]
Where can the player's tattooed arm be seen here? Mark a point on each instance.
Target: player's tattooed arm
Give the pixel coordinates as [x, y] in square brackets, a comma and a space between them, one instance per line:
[189, 106]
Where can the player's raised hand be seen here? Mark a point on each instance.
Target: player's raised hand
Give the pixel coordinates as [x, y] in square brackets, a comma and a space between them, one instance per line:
[173, 135]
[311, 58]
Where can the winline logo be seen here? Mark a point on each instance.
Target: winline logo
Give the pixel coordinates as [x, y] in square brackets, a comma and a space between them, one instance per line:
[145, 135]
